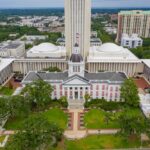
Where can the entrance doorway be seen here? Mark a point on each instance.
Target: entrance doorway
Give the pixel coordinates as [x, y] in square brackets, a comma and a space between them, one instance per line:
[76, 95]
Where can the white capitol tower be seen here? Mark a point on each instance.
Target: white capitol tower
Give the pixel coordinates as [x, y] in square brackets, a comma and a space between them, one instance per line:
[78, 25]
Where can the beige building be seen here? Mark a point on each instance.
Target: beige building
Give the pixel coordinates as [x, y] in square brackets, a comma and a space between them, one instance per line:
[111, 57]
[6, 70]
[76, 82]
[12, 49]
[135, 21]
[146, 71]
[78, 25]
[46, 50]
[107, 57]
[38, 64]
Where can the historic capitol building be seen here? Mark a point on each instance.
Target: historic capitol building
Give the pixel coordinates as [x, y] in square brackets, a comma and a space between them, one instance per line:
[97, 70]
[76, 82]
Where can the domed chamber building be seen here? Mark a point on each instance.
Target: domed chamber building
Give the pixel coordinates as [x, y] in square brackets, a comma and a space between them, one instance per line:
[111, 57]
[47, 50]
[40, 57]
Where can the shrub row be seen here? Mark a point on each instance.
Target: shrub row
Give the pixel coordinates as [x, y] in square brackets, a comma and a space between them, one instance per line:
[103, 104]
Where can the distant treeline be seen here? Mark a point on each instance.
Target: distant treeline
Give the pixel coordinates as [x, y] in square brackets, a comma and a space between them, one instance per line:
[56, 11]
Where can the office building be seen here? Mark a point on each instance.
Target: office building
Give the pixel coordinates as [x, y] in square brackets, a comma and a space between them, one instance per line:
[132, 41]
[135, 21]
[12, 49]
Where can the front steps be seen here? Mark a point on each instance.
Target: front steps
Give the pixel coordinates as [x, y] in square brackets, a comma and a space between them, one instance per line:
[76, 104]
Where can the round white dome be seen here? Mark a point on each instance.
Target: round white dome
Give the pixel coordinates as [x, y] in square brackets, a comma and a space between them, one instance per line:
[109, 47]
[46, 47]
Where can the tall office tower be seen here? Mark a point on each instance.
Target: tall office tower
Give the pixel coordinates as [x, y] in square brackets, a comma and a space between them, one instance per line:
[78, 25]
[135, 21]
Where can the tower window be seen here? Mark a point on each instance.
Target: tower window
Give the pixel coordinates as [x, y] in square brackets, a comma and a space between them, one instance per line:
[76, 68]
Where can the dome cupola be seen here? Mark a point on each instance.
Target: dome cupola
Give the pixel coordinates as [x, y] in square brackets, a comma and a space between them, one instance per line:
[76, 62]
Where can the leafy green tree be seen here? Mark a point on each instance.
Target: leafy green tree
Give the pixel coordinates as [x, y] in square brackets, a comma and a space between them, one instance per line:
[64, 101]
[102, 34]
[6, 90]
[14, 106]
[18, 106]
[37, 133]
[4, 107]
[87, 97]
[107, 117]
[129, 93]
[148, 127]
[52, 37]
[138, 52]
[38, 93]
[6, 30]
[28, 46]
[142, 52]
[146, 42]
[132, 123]
[52, 69]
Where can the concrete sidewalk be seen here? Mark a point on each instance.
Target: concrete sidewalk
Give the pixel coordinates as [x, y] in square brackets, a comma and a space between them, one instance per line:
[75, 133]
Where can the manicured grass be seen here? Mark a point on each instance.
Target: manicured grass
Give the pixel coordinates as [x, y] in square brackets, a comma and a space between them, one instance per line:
[96, 119]
[134, 112]
[102, 142]
[6, 91]
[54, 115]
[14, 124]
[2, 138]
[57, 116]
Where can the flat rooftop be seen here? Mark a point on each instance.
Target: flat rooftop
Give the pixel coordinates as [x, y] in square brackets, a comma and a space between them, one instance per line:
[12, 45]
[146, 62]
[110, 52]
[9, 45]
[135, 12]
[5, 62]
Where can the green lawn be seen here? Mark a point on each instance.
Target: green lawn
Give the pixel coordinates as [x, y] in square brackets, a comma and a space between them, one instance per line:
[96, 119]
[2, 138]
[53, 115]
[57, 116]
[6, 91]
[135, 112]
[102, 142]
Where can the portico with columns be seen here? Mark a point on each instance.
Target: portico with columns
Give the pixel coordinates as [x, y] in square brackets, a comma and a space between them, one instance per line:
[76, 88]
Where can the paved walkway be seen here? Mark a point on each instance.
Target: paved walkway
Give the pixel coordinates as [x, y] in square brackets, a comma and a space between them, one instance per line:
[75, 133]
[7, 132]
[103, 131]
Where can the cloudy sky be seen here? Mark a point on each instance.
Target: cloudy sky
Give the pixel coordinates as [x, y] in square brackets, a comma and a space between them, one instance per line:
[60, 3]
